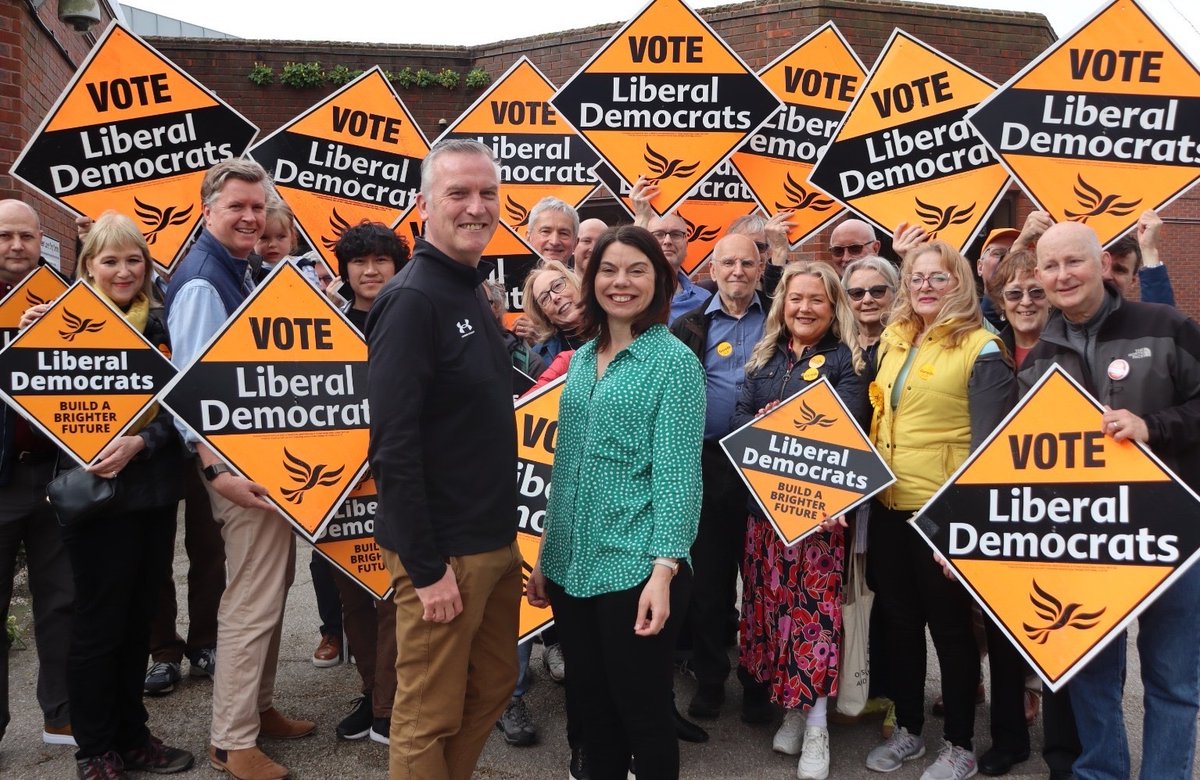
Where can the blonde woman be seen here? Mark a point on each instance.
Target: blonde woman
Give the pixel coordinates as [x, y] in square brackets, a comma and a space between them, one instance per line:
[554, 306]
[943, 383]
[791, 621]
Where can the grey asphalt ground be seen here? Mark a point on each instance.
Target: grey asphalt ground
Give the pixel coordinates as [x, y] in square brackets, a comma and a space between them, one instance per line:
[182, 719]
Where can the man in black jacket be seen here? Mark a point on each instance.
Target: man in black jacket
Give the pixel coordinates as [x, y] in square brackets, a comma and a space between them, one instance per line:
[722, 333]
[26, 465]
[1143, 362]
[443, 452]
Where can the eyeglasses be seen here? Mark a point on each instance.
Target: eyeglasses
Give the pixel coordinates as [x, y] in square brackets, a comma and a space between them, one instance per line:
[1034, 293]
[675, 235]
[854, 249]
[729, 263]
[876, 291]
[937, 281]
[556, 287]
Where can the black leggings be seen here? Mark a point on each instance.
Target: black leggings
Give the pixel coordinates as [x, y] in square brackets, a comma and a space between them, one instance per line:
[623, 681]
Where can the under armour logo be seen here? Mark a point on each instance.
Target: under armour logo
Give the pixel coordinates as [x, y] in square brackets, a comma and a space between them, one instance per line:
[464, 328]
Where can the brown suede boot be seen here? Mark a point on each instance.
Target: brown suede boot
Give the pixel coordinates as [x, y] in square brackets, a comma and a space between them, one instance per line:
[246, 764]
[275, 725]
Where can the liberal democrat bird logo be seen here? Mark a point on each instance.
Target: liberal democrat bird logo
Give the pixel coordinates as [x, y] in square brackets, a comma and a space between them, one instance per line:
[662, 168]
[937, 218]
[76, 325]
[516, 212]
[800, 198]
[158, 219]
[33, 299]
[1098, 203]
[700, 232]
[1051, 609]
[308, 477]
[339, 225]
[809, 418]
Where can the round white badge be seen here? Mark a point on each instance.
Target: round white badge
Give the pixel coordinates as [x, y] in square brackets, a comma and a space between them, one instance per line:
[1118, 369]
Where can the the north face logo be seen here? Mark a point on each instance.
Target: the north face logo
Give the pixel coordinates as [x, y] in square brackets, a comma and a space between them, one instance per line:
[1139, 353]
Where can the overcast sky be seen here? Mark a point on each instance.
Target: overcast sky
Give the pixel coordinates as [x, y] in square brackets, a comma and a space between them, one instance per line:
[486, 21]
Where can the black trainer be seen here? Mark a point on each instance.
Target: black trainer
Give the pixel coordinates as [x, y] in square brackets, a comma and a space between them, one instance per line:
[380, 729]
[517, 724]
[154, 756]
[357, 724]
[579, 765]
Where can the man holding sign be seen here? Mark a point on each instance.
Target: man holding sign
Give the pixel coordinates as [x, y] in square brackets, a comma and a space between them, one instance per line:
[1143, 362]
[260, 549]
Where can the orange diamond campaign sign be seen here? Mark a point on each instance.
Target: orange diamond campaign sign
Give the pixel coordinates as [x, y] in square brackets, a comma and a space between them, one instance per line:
[904, 151]
[81, 374]
[280, 393]
[1104, 124]
[666, 98]
[348, 541]
[817, 80]
[540, 156]
[807, 459]
[135, 133]
[41, 285]
[537, 430]
[354, 156]
[709, 209]
[1062, 534]
[507, 254]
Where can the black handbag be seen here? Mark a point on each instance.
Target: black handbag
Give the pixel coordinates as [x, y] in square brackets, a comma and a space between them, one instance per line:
[77, 495]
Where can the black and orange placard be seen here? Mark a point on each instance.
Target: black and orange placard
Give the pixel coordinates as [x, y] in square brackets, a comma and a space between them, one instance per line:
[280, 394]
[41, 285]
[135, 133]
[904, 151]
[537, 431]
[708, 210]
[81, 374]
[354, 156]
[666, 98]
[508, 256]
[540, 155]
[817, 80]
[1103, 124]
[348, 541]
[1061, 533]
[807, 459]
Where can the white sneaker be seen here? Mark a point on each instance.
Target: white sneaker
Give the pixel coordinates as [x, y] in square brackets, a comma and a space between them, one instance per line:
[555, 665]
[790, 735]
[814, 759]
[898, 748]
[953, 763]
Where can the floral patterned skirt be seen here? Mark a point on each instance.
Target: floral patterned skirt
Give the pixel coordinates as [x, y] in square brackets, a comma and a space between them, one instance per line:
[791, 624]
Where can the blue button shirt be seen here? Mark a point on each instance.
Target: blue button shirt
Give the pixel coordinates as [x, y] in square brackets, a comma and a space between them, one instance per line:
[730, 342]
[687, 297]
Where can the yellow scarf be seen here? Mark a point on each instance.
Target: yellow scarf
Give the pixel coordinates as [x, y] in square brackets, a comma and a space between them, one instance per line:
[137, 315]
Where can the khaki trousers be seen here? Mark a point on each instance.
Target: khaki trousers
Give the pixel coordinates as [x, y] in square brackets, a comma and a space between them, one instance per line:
[260, 556]
[453, 679]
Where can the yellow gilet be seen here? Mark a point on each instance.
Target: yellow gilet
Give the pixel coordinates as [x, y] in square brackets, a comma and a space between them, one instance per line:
[930, 436]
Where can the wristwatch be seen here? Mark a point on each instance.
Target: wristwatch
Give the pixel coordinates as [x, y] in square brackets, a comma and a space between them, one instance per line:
[215, 470]
[670, 563]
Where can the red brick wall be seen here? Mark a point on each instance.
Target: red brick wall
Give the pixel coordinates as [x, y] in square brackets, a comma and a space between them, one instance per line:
[34, 69]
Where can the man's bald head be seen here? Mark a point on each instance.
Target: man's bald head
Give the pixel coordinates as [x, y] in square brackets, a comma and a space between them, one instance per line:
[1071, 266]
[850, 240]
[589, 231]
[20, 240]
[736, 268]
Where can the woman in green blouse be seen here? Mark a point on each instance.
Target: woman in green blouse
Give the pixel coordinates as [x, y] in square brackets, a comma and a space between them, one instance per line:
[624, 508]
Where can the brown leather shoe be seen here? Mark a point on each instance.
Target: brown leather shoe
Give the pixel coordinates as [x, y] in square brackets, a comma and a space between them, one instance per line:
[246, 764]
[276, 725]
[328, 653]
